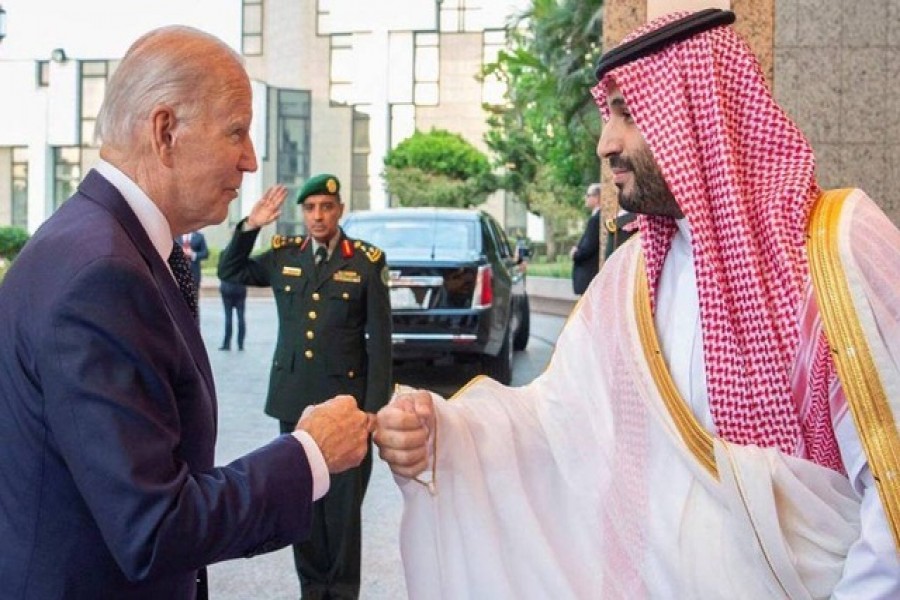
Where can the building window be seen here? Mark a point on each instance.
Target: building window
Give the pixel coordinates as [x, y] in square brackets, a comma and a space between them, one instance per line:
[94, 74]
[460, 15]
[341, 76]
[19, 208]
[293, 133]
[252, 28]
[42, 73]
[66, 173]
[493, 89]
[359, 186]
[426, 69]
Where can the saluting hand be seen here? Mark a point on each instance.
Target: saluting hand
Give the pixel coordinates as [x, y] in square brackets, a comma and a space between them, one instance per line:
[340, 430]
[404, 431]
[267, 208]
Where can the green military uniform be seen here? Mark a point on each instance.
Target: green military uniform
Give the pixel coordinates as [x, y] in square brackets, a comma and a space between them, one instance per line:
[322, 320]
[334, 337]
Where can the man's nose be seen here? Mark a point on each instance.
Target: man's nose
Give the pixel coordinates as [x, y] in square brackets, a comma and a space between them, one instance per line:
[610, 141]
[248, 162]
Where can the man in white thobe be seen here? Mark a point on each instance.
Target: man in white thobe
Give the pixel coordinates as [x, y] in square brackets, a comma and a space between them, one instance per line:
[737, 438]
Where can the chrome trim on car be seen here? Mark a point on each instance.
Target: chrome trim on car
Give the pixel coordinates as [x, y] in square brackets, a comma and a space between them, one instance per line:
[443, 337]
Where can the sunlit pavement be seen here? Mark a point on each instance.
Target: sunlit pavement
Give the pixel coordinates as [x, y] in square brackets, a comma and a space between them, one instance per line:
[241, 382]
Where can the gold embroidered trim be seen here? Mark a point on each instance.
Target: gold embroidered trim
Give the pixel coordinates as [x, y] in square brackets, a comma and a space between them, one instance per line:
[698, 440]
[856, 369]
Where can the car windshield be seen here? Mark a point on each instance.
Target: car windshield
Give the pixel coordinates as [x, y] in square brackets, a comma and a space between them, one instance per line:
[419, 238]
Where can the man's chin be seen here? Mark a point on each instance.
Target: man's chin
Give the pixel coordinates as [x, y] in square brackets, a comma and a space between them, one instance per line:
[626, 201]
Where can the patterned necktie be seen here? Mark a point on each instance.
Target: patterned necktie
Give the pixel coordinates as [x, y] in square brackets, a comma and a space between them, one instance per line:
[181, 268]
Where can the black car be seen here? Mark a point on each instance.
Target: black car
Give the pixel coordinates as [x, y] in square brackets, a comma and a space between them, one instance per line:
[456, 286]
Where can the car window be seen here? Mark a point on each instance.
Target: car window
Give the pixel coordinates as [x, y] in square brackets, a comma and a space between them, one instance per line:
[492, 233]
[421, 238]
[502, 240]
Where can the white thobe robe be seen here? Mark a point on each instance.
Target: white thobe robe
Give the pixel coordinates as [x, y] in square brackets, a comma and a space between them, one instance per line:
[579, 485]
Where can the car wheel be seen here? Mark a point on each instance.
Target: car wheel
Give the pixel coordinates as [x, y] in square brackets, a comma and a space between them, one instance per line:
[500, 367]
[520, 341]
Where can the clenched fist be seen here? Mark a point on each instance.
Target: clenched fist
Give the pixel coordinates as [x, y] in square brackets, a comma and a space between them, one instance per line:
[405, 428]
[340, 430]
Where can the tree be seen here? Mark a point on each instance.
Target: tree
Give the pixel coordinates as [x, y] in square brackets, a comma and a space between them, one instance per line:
[438, 168]
[549, 127]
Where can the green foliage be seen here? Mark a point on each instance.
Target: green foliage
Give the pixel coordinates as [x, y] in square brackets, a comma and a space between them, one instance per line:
[415, 187]
[438, 168]
[12, 239]
[439, 152]
[550, 125]
[561, 268]
[210, 266]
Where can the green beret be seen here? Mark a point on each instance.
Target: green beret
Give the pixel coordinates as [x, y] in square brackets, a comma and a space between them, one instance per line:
[324, 184]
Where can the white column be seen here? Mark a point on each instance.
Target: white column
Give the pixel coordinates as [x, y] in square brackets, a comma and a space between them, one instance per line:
[379, 119]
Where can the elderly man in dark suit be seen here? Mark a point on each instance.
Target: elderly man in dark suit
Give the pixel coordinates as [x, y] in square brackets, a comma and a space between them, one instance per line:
[107, 436]
[334, 338]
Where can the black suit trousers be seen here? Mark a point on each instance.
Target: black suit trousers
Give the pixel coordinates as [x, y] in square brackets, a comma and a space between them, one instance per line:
[234, 303]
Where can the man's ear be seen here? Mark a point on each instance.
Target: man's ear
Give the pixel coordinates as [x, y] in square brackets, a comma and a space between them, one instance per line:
[162, 119]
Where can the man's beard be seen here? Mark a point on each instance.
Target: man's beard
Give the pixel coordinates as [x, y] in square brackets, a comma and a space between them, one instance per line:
[649, 194]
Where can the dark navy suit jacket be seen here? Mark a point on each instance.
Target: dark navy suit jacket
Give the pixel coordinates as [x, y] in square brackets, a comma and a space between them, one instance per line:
[108, 424]
[586, 260]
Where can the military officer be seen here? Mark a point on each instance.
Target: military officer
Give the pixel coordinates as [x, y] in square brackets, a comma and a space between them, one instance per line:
[334, 337]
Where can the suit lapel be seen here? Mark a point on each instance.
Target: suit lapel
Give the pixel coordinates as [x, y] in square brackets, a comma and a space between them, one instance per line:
[96, 188]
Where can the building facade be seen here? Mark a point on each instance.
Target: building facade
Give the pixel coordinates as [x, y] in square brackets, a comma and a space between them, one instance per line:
[336, 84]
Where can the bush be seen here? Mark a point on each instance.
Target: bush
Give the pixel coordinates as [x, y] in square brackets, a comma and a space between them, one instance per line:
[438, 168]
[12, 239]
[439, 152]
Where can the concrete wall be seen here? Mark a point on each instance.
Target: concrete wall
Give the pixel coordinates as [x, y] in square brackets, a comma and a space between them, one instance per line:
[836, 73]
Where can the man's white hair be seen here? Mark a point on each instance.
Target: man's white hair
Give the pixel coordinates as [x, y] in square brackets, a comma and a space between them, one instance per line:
[164, 66]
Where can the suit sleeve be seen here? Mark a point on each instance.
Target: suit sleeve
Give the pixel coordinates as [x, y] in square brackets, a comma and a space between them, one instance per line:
[378, 346]
[236, 265]
[589, 245]
[118, 380]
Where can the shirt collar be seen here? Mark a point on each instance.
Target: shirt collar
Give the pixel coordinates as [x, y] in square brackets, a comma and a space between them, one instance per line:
[332, 244]
[681, 241]
[146, 211]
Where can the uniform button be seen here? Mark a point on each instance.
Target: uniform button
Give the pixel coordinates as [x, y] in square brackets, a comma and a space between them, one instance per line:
[287, 288]
[345, 296]
[312, 314]
[310, 335]
[308, 354]
[351, 374]
[315, 295]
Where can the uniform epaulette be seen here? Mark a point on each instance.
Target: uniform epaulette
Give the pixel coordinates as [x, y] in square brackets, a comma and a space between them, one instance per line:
[282, 241]
[373, 253]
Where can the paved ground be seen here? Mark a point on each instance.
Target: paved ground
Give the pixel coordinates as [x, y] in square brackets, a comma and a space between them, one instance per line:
[241, 379]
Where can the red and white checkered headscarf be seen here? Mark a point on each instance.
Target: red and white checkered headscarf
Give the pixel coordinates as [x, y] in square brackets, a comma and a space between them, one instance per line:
[743, 175]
